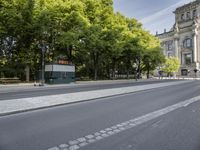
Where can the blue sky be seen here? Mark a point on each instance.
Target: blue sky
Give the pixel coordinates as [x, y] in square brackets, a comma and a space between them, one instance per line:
[156, 15]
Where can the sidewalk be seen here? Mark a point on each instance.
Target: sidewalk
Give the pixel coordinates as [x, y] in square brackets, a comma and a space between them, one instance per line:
[77, 82]
[28, 86]
[26, 104]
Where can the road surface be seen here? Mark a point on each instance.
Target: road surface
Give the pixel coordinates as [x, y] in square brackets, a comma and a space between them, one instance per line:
[102, 124]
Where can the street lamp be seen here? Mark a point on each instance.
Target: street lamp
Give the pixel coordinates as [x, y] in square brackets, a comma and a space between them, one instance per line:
[43, 46]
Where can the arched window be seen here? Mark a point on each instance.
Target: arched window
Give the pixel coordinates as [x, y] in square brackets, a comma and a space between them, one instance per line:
[187, 43]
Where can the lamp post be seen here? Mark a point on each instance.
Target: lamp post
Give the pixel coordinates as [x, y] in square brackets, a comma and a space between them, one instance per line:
[43, 47]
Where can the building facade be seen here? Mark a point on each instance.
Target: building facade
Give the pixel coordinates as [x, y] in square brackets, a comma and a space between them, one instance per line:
[183, 40]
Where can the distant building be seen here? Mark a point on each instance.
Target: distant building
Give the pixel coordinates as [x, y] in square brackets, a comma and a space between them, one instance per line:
[183, 40]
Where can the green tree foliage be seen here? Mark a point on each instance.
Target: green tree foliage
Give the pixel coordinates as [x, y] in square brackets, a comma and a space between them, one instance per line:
[171, 65]
[99, 41]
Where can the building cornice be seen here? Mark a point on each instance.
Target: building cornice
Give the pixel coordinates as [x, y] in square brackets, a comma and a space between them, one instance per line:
[165, 34]
[186, 7]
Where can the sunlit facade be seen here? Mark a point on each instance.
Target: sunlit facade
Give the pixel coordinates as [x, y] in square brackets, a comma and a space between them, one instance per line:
[183, 40]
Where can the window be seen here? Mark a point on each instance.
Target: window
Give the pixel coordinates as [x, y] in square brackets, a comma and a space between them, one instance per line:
[187, 43]
[182, 16]
[188, 15]
[169, 47]
[188, 58]
[194, 13]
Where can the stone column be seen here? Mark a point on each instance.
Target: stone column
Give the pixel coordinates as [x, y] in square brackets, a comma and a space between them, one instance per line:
[195, 48]
[198, 53]
[176, 48]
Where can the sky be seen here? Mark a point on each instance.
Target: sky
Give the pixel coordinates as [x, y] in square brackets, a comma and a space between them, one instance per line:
[155, 15]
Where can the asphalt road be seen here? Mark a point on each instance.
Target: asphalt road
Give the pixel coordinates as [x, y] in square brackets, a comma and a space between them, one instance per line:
[43, 129]
[24, 92]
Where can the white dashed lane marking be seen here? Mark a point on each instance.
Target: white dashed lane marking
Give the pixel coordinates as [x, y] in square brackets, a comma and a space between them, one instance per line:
[91, 138]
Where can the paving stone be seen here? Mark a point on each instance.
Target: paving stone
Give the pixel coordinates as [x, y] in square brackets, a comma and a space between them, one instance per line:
[81, 139]
[74, 147]
[97, 134]
[73, 142]
[110, 132]
[63, 146]
[53, 148]
[132, 124]
[108, 129]
[119, 125]
[105, 135]
[102, 131]
[123, 124]
[116, 131]
[122, 128]
[89, 136]
[83, 144]
[114, 127]
[91, 140]
[99, 138]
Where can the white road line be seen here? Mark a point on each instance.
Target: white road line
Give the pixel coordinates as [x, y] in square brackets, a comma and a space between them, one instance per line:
[104, 133]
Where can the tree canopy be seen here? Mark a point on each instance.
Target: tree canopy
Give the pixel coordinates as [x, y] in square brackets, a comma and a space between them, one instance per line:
[171, 65]
[99, 41]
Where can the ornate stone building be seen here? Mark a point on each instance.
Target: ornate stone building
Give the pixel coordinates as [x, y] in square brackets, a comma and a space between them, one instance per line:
[183, 40]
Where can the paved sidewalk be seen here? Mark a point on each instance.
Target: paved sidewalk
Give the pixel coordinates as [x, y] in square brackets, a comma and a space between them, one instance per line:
[30, 86]
[27, 104]
[18, 85]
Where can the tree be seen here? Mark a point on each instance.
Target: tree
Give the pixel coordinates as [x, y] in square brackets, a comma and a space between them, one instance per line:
[153, 55]
[88, 33]
[171, 65]
[94, 44]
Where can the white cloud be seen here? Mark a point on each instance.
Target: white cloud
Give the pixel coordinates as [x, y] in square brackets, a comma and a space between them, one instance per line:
[163, 12]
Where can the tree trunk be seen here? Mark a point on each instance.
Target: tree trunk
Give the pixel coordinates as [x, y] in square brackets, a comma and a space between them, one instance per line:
[27, 70]
[136, 75]
[148, 73]
[139, 69]
[70, 53]
[108, 72]
[127, 74]
[95, 58]
[113, 69]
[95, 73]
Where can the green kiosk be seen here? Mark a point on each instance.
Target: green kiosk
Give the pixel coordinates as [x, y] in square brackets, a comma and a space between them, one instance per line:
[59, 73]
